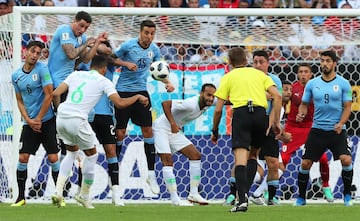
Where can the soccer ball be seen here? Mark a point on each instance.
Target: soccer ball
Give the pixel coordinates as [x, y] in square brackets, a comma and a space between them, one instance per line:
[159, 70]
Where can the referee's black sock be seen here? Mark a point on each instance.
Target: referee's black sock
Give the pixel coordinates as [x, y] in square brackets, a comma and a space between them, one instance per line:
[240, 176]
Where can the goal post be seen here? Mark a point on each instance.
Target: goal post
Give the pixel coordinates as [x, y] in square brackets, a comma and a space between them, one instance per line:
[191, 30]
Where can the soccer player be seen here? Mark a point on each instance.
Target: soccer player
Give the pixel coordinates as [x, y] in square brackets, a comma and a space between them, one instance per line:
[33, 88]
[101, 121]
[249, 122]
[69, 46]
[270, 149]
[169, 139]
[332, 97]
[300, 130]
[260, 195]
[85, 88]
[136, 55]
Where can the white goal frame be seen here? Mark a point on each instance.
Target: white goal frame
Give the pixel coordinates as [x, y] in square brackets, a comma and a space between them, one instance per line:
[17, 34]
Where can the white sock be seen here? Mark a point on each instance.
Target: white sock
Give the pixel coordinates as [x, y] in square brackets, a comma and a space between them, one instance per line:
[65, 171]
[67, 163]
[257, 177]
[151, 174]
[195, 175]
[280, 173]
[170, 182]
[262, 188]
[88, 171]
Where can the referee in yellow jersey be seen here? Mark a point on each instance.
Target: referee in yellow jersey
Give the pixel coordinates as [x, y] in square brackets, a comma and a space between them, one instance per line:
[246, 89]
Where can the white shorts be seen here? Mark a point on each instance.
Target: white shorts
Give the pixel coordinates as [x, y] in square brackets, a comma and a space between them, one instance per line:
[167, 142]
[76, 131]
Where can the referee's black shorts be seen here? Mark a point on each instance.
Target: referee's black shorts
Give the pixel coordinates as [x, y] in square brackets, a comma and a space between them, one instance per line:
[248, 128]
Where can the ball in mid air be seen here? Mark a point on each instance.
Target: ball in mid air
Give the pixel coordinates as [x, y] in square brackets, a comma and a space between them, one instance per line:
[159, 70]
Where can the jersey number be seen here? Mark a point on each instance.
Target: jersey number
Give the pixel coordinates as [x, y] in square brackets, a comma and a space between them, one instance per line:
[141, 63]
[326, 98]
[77, 95]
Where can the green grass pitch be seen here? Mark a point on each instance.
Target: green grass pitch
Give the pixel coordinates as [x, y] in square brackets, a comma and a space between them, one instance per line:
[167, 212]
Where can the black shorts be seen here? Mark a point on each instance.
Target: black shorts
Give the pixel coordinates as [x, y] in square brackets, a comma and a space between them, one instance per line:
[138, 114]
[270, 147]
[32, 140]
[248, 129]
[103, 126]
[319, 140]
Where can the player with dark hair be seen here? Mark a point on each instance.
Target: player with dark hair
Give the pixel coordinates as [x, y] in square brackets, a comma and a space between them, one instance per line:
[70, 46]
[136, 55]
[85, 90]
[331, 95]
[101, 119]
[249, 121]
[270, 149]
[300, 130]
[33, 89]
[169, 139]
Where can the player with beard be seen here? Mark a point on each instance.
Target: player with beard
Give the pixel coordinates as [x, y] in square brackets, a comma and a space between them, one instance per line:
[300, 130]
[332, 97]
[136, 56]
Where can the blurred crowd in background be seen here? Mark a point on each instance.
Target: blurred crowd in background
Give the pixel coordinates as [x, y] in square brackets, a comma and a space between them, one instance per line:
[303, 36]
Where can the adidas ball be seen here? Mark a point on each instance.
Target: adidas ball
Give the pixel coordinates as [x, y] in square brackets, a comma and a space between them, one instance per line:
[159, 70]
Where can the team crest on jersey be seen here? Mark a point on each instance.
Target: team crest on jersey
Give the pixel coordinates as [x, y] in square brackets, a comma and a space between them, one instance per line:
[65, 36]
[80, 41]
[336, 88]
[150, 54]
[34, 77]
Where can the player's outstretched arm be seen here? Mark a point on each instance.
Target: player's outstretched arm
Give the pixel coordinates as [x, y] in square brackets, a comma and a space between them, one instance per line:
[118, 62]
[72, 52]
[88, 54]
[121, 103]
[168, 85]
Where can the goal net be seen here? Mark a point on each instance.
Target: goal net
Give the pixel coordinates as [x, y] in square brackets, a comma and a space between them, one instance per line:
[194, 42]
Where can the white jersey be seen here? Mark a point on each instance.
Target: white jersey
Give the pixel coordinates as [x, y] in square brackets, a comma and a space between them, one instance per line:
[85, 90]
[183, 112]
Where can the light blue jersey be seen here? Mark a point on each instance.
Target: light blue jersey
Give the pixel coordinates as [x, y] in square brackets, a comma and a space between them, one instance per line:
[131, 51]
[328, 98]
[278, 83]
[30, 86]
[60, 66]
